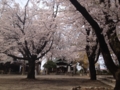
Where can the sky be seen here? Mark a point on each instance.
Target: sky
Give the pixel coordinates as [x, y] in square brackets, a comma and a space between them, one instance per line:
[21, 2]
[101, 62]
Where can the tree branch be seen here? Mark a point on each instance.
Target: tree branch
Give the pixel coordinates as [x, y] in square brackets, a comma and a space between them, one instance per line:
[25, 12]
[13, 56]
[46, 51]
[97, 53]
[42, 47]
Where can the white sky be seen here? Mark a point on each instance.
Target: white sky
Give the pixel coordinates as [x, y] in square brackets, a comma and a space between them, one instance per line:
[21, 2]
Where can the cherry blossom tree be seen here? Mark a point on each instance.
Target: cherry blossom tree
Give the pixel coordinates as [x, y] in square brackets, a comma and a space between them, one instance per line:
[70, 38]
[115, 70]
[77, 36]
[79, 26]
[28, 32]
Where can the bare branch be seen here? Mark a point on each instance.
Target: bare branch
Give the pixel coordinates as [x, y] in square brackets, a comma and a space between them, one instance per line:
[42, 54]
[41, 48]
[13, 56]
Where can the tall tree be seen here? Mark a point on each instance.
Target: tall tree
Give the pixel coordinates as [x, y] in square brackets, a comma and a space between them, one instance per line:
[91, 46]
[28, 32]
[115, 70]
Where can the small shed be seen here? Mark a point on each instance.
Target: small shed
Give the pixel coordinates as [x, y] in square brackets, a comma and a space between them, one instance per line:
[62, 66]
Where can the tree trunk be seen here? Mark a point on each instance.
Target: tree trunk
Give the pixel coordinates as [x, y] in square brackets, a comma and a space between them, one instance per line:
[91, 53]
[92, 68]
[31, 70]
[9, 71]
[91, 59]
[117, 85]
[23, 70]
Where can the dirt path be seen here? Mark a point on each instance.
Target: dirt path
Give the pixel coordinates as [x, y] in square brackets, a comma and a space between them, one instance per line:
[46, 82]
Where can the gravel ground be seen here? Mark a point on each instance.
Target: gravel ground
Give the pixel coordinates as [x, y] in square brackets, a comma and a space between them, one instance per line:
[50, 82]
